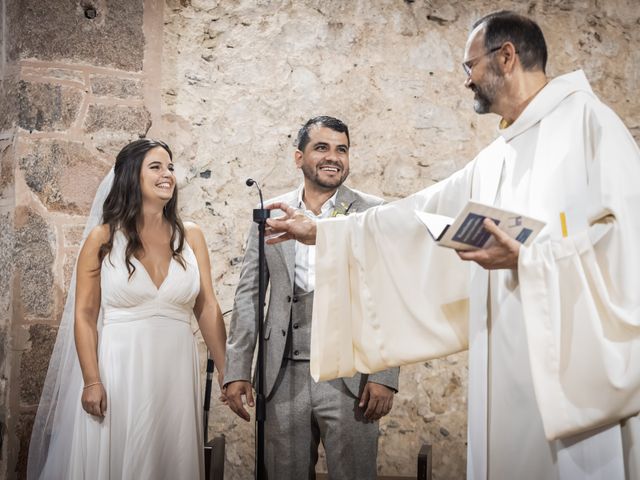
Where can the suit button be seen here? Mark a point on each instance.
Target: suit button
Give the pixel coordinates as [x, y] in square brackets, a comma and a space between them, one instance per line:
[295, 299]
[283, 333]
[296, 353]
[288, 298]
[295, 325]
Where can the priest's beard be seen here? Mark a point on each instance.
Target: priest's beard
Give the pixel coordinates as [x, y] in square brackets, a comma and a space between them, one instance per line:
[487, 91]
[313, 175]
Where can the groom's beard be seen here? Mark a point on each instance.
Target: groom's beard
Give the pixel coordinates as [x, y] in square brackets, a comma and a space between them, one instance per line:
[314, 175]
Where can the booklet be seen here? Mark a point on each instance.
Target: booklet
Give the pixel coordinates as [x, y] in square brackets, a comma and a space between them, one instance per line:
[466, 232]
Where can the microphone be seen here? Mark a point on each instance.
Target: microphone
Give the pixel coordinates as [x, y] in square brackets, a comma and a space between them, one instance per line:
[250, 183]
[259, 214]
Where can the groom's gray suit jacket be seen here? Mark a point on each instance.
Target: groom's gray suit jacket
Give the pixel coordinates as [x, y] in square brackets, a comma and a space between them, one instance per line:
[280, 258]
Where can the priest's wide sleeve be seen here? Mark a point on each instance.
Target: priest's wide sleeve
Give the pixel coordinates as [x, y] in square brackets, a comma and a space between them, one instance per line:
[386, 295]
[581, 295]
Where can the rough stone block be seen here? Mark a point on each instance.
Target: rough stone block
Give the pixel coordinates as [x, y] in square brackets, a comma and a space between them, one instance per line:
[64, 74]
[106, 86]
[8, 103]
[59, 30]
[34, 363]
[47, 107]
[70, 258]
[34, 260]
[32, 72]
[135, 120]
[7, 240]
[3, 352]
[23, 432]
[63, 174]
[110, 143]
[6, 167]
[72, 235]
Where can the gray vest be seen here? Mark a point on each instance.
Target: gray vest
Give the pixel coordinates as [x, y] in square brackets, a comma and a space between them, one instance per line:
[299, 337]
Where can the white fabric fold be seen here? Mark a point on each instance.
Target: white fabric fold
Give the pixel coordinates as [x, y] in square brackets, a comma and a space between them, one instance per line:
[581, 295]
[386, 295]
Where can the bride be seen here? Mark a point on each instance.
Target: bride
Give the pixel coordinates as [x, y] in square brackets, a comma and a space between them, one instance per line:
[128, 404]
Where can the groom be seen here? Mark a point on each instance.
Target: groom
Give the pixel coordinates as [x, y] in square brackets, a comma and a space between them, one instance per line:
[341, 413]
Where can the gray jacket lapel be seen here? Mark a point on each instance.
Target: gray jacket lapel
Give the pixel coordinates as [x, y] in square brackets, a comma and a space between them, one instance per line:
[287, 250]
[346, 199]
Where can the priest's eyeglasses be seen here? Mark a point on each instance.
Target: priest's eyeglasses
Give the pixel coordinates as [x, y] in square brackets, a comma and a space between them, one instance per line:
[469, 64]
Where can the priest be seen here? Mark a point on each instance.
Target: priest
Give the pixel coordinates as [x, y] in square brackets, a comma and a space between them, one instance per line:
[553, 329]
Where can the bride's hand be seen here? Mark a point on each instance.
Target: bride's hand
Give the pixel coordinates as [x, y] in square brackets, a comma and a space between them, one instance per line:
[94, 400]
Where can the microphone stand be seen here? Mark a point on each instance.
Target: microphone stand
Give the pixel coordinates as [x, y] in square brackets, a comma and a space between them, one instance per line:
[208, 449]
[260, 216]
[207, 397]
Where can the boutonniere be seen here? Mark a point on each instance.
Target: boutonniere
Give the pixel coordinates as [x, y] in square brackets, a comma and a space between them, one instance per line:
[342, 209]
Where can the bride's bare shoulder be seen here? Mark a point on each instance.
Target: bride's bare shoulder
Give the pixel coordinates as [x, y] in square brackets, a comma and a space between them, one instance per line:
[192, 231]
[98, 236]
[195, 237]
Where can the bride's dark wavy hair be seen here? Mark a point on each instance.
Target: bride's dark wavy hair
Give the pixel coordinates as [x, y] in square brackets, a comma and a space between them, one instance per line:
[123, 206]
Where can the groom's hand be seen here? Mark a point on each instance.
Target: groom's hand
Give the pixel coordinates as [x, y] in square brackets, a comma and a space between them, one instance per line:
[377, 399]
[293, 225]
[234, 392]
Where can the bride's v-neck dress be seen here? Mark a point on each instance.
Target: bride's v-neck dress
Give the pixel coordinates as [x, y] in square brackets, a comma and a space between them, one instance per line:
[149, 367]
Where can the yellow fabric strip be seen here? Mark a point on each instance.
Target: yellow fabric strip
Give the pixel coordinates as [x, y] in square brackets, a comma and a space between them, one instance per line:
[563, 224]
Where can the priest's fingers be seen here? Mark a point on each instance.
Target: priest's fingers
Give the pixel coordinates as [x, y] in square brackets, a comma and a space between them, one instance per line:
[278, 238]
[494, 257]
[490, 226]
[299, 227]
[278, 225]
[288, 210]
[483, 257]
[479, 256]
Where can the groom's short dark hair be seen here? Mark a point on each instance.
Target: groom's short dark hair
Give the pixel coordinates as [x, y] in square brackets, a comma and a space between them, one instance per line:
[322, 121]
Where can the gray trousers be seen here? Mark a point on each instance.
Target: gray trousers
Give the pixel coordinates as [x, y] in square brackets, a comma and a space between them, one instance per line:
[301, 413]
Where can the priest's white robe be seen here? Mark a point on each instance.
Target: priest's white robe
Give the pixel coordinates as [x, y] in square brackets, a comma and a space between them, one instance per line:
[554, 346]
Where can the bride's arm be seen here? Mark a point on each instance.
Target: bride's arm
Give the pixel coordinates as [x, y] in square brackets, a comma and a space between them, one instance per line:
[87, 308]
[207, 310]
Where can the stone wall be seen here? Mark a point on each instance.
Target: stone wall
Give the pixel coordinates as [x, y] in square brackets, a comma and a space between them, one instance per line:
[227, 84]
[240, 77]
[79, 80]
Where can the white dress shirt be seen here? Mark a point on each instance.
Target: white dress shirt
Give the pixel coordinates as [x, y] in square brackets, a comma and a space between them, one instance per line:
[305, 272]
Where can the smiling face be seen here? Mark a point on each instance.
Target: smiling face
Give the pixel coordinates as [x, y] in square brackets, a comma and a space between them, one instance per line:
[157, 181]
[325, 159]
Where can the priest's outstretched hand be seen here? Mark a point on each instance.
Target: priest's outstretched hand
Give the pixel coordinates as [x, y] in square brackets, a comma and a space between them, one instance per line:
[503, 253]
[293, 225]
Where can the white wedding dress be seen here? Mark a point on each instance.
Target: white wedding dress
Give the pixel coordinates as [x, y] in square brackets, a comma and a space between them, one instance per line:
[149, 367]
